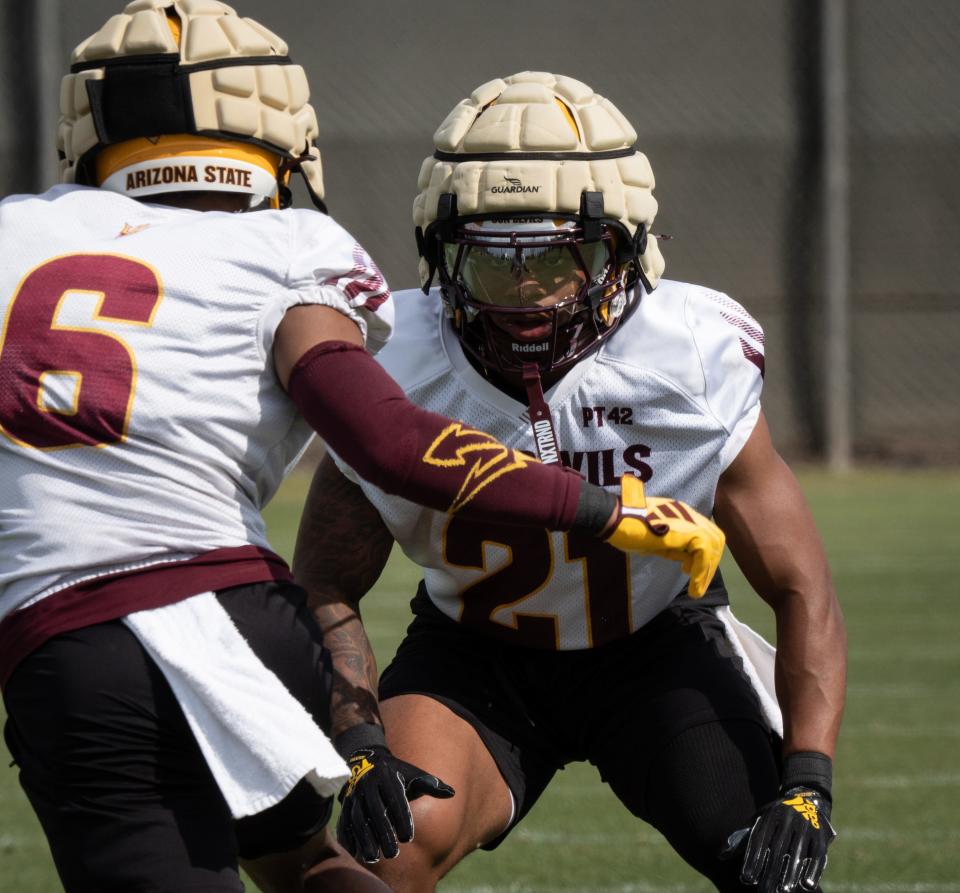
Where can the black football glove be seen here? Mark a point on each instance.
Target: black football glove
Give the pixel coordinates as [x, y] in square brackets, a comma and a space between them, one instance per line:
[785, 850]
[375, 816]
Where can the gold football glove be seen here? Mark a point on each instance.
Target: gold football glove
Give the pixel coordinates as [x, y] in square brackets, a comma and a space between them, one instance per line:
[670, 529]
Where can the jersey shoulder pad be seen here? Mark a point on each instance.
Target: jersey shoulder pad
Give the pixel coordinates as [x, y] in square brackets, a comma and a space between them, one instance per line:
[730, 347]
[415, 353]
[716, 317]
[701, 341]
[330, 267]
[657, 339]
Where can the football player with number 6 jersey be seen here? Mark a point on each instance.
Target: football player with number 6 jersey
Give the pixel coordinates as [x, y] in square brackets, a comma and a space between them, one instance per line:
[552, 328]
[171, 334]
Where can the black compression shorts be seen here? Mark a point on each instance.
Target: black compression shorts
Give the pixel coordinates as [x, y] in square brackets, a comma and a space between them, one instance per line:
[108, 761]
[617, 706]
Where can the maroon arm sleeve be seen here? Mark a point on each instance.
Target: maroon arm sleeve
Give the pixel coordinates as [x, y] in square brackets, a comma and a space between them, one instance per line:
[363, 414]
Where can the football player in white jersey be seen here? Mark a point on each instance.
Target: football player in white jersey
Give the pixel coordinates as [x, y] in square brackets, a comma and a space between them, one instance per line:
[162, 363]
[552, 329]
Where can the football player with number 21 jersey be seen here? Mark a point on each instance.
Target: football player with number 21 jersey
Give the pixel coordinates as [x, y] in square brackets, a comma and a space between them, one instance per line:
[553, 330]
[172, 335]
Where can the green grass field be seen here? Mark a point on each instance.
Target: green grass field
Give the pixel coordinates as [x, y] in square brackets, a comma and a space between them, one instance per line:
[893, 541]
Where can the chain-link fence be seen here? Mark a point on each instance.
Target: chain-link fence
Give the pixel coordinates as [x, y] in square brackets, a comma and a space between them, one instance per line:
[727, 98]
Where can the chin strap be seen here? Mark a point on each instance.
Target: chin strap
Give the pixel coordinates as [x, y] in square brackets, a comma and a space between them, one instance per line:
[544, 433]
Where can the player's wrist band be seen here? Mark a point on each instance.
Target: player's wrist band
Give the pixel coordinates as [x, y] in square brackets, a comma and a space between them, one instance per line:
[808, 769]
[365, 734]
[594, 508]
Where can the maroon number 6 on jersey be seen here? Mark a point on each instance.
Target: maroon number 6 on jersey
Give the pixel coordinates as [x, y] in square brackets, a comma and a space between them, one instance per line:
[68, 385]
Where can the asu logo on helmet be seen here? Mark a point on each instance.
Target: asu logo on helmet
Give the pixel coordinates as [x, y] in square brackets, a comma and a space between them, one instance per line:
[185, 95]
[534, 211]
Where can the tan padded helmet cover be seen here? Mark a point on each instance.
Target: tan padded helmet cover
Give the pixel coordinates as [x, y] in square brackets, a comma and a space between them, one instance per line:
[264, 102]
[521, 114]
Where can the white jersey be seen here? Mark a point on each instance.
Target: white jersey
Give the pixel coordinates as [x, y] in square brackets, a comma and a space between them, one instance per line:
[671, 397]
[141, 419]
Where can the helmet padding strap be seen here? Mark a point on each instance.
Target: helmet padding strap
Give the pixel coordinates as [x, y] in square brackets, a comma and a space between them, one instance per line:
[142, 99]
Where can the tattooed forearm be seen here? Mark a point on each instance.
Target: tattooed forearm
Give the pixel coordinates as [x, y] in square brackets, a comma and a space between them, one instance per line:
[342, 544]
[342, 547]
[353, 699]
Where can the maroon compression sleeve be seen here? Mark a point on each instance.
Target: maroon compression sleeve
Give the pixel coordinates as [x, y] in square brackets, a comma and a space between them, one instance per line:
[363, 414]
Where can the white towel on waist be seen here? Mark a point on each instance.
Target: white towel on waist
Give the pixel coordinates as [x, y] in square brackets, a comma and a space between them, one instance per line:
[257, 738]
[758, 657]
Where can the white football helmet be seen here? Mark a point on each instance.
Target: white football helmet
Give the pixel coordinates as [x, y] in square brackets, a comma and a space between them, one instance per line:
[535, 210]
[184, 95]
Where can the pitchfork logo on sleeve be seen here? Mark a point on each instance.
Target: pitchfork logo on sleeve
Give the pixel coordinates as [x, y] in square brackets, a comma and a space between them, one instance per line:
[479, 458]
[363, 283]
